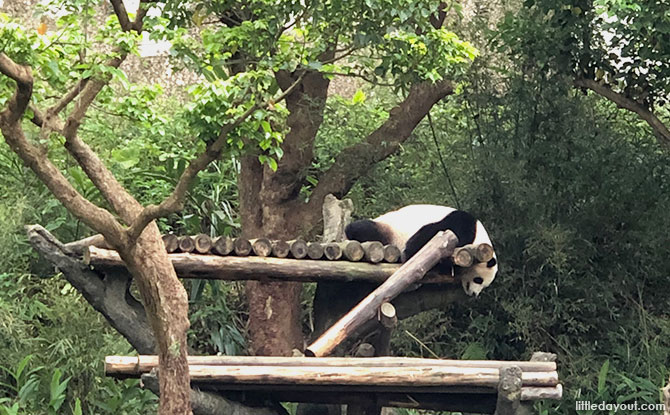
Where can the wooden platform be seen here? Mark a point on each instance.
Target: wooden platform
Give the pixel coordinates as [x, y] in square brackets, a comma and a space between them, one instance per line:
[188, 265]
[384, 381]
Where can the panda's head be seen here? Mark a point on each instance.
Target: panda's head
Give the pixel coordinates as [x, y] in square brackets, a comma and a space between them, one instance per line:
[480, 275]
[477, 277]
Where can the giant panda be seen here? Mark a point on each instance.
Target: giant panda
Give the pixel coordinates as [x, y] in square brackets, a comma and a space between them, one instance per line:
[411, 227]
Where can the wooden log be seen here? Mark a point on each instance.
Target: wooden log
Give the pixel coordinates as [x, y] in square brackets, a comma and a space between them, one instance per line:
[280, 249]
[526, 407]
[352, 250]
[134, 365]
[388, 321]
[186, 244]
[391, 254]
[314, 250]
[241, 246]
[332, 251]
[467, 255]
[79, 247]
[534, 393]
[223, 245]
[261, 246]
[374, 251]
[509, 390]
[258, 268]
[484, 253]
[440, 246]
[203, 243]
[171, 242]
[298, 248]
[358, 376]
[463, 257]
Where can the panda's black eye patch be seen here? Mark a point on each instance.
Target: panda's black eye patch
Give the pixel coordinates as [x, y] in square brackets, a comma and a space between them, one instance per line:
[478, 280]
[492, 263]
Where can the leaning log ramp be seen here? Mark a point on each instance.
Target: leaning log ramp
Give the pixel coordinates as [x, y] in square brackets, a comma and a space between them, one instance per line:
[483, 386]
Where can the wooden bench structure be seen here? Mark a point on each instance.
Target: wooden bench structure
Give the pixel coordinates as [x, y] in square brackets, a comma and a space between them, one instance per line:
[470, 386]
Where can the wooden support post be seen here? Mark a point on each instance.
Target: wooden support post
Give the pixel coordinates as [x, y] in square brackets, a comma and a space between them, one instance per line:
[509, 391]
[441, 246]
[387, 320]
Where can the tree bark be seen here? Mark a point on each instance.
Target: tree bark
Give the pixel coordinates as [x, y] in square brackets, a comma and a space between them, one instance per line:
[270, 207]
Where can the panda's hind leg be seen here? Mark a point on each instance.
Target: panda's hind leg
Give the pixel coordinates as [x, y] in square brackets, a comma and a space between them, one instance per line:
[366, 230]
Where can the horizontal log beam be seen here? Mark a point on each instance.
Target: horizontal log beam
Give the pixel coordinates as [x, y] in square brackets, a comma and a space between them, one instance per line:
[372, 376]
[362, 376]
[265, 268]
[144, 363]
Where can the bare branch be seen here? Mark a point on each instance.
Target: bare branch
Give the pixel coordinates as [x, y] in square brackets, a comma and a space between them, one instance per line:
[354, 161]
[175, 201]
[660, 130]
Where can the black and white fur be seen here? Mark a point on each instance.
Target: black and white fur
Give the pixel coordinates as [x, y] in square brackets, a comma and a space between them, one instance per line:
[411, 227]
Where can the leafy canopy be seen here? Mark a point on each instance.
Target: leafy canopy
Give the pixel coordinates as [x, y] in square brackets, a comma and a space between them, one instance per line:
[621, 43]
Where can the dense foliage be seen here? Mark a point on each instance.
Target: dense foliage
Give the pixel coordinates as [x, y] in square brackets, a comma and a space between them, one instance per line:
[574, 192]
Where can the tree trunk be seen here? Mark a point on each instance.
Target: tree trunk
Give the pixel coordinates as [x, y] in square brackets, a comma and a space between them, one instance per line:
[166, 301]
[270, 207]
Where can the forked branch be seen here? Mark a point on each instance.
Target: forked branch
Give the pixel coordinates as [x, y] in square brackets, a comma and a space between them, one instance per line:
[10, 125]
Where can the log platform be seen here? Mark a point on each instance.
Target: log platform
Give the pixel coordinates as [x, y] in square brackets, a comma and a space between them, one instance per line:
[225, 258]
[390, 381]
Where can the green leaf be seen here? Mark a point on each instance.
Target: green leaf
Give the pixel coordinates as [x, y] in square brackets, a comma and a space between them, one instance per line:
[359, 97]
[602, 376]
